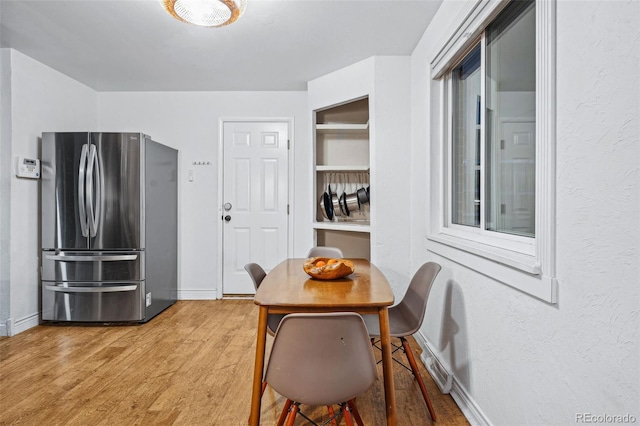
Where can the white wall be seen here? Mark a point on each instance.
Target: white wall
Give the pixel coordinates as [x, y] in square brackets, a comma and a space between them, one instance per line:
[516, 359]
[5, 187]
[189, 122]
[390, 153]
[41, 100]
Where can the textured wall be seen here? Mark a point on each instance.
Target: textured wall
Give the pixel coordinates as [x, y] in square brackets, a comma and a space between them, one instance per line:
[520, 360]
[598, 195]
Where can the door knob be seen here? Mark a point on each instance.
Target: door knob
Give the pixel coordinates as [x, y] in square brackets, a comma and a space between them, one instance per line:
[227, 218]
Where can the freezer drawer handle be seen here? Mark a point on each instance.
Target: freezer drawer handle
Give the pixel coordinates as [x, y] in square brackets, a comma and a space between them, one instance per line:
[91, 289]
[107, 258]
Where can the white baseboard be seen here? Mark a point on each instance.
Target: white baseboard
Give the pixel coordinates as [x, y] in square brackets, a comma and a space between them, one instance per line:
[26, 323]
[197, 295]
[12, 327]
[6, 327]
[448, 383]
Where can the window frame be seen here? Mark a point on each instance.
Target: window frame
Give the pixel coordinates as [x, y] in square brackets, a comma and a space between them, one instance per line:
[526, 263]
[449, 88]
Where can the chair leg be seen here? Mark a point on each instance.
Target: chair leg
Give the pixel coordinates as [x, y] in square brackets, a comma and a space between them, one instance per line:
[285, 412]
[416, 373]
[332, 414]
[356, 415]
[346, 413]
[292, 415]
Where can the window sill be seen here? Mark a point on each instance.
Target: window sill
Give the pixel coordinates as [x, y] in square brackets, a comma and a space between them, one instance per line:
[523, 262]
[514, 269]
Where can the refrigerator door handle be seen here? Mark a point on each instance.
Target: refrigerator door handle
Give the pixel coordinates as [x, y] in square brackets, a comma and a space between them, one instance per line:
[106, 258]
[81, 191]
[110, 289]
[93, 180]
[98, 176]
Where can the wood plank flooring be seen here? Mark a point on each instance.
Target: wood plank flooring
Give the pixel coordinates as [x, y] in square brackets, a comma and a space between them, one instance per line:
[191, 365]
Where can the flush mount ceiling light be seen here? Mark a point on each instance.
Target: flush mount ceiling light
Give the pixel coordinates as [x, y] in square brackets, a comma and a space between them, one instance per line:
[206, 13]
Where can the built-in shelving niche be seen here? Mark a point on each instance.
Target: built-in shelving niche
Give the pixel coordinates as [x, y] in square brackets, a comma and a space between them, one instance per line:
[342, 162]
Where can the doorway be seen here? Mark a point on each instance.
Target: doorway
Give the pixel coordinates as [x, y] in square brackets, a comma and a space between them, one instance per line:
[255, 199]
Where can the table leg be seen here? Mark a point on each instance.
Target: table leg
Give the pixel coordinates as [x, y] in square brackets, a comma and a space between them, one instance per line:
[258, 368]
[387, 366]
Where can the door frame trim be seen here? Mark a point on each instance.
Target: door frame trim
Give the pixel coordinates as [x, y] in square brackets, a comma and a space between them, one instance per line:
[290, 173]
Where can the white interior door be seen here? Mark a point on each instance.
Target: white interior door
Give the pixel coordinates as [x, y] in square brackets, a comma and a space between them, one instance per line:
[255, 197]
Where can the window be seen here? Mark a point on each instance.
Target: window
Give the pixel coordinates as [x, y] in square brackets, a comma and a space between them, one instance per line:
[493, 95]
[466, 126]
[495, 141]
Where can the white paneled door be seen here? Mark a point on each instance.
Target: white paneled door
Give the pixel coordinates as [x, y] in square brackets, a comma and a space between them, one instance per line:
[254, 214]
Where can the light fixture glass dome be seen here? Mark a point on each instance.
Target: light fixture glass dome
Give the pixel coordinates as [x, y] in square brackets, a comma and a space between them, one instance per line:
[205, 13]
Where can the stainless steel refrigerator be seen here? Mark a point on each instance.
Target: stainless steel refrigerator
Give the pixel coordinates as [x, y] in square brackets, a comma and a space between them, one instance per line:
[109, 227]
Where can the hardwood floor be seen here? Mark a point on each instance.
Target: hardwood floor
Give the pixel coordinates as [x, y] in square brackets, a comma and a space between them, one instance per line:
[191, 365]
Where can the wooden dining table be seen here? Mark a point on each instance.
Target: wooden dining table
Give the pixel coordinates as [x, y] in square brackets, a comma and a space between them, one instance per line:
[287, 289]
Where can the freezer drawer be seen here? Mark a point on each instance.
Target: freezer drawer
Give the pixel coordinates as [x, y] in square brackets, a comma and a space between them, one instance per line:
[97, 302]
[92, 266]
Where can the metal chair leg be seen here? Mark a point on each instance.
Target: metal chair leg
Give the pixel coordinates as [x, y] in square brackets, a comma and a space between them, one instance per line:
[416, 373]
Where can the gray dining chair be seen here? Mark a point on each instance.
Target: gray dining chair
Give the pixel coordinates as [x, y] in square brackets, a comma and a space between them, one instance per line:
[321, 359]
[322, 251]
[257, 274]
[406, 318]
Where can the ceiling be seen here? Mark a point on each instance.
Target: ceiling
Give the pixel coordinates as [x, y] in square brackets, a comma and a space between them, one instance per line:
[134, 45]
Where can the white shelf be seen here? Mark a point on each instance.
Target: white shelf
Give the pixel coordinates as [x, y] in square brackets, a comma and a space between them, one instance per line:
[342, 127]
[324, 168]
[363, 226]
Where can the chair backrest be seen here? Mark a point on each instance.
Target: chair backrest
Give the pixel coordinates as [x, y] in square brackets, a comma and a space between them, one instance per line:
[321, 359]
[320, 251]
[256, 273]
[414, 302]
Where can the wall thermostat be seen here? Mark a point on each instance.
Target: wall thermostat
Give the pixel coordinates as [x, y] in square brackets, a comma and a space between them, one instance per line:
[28, 168]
